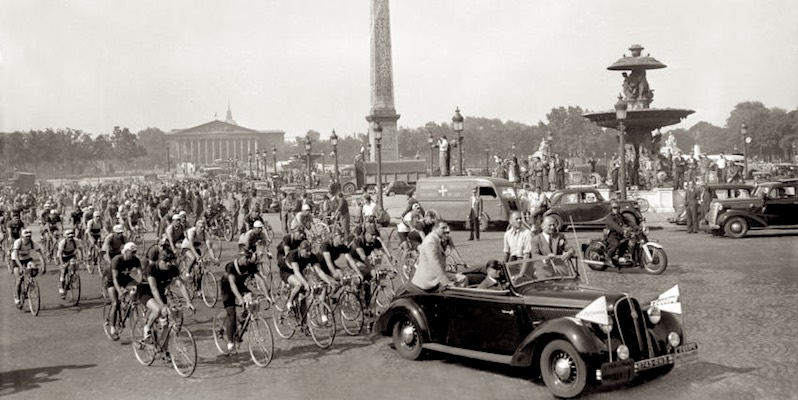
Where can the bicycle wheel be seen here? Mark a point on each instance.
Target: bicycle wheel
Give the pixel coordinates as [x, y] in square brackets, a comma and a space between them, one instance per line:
[408, 266]
[209, 288]
[34, 302]
[351, 312]
[216, 245]
[389, 237]
[260, 341]
[643, 204]
[321, 323]
[284, 321]
[107, 320]
[227, 229]
[144, 351]
[73, 288]
[182, 349]
[384, 292]
[218, 332]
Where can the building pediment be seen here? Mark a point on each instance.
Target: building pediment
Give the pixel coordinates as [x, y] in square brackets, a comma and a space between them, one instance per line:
[216, 127]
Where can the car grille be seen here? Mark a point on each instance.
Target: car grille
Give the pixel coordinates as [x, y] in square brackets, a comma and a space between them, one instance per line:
[712, 215]
[631, 325]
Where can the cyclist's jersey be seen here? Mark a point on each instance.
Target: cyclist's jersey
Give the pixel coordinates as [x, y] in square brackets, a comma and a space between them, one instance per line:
[15, 226]
[157, 253]
[193, 238]
[335, 251]
[113, 244]
[303, 262]
[175, 232]
[87, 216]
[240, 276]
[77, 216]
[289, 241]
[68, 247]
[52, 221]
[122, 214]
[368, 248]
[113, 208]
[122, 266]
[25, 250]
[45, 215]
[250, 239]
[301, 221]
[163, 278]
[95, 228]
[134, 217]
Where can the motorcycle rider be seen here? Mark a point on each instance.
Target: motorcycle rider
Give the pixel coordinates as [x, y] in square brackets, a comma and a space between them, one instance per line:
[617, 227]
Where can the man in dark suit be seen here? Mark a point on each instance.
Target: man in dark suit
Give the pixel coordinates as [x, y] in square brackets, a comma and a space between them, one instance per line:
[476, 211]
[617, 226]
[547, 245]
[691, 198]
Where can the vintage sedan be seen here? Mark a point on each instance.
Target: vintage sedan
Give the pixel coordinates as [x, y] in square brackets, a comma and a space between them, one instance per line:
[721, 191]
[571, 335]
[586, 207]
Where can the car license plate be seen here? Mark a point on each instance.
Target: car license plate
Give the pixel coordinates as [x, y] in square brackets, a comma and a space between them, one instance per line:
[654, 362]
[617, 372]
[686, 353]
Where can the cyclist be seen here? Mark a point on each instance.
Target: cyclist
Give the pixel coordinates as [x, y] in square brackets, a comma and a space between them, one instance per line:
[52, 225]
[234, 289]
[67, 249]
[249, 240]
[134, 218]
[21, 255]
[192, 245]
[174, 232]
[302, 219]
[362, 248]
[291, 271]
[14, 228]
[113, 243]
[94, 228]
[119, 276]
[159, 273]
[76, 217]
[331, 250]
[253, 216]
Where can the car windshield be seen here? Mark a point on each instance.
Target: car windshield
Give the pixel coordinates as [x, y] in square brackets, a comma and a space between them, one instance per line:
[525, 272]
[508, 192]
[761, 191]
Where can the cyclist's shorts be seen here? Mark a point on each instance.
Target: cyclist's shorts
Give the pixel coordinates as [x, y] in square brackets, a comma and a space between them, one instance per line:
[187, 251]
[144, 293]
[24, 262]
[123, 279]
[66, 259]
[95, 237]
[228, 298]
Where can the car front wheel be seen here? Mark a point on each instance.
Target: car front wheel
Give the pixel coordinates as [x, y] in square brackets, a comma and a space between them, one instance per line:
[407, 339]
[563, 370]
[736, 227]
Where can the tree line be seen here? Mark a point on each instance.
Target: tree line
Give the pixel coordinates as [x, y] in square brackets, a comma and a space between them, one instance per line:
[73, 152]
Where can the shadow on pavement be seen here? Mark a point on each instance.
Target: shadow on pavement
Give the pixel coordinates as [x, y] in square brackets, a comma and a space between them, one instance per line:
[32, 378]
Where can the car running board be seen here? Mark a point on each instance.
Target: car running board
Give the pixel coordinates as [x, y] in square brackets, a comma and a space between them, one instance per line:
[479, 355]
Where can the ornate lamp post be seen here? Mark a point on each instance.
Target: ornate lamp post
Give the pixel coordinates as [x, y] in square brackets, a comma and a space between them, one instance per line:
[274, 157]
[377, 129]
[746, 140]
[431, 143]
[249, 159]
[308, 147]
[334, 141]
[620, 115]
[457, 125]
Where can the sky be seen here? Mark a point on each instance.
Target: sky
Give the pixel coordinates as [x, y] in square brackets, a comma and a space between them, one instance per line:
[304, 65]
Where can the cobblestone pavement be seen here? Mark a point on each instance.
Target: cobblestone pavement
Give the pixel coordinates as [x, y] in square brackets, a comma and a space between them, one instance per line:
[740, 300]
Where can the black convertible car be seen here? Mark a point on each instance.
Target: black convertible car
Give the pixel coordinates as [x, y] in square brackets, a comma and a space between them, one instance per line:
[570, 335]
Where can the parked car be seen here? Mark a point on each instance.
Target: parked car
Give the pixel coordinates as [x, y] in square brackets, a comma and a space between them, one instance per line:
[773, 204]
[587, 208]
[720, 191]
[547, 321]
[399, 187]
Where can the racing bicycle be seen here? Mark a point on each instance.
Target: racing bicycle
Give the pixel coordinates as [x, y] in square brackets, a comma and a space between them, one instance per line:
[171, 340]
[317, 317]
[71, 283]
[251, 330]
[127, 303]
[202, 280]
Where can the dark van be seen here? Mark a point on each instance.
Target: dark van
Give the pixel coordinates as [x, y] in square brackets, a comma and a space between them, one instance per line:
[450, 197]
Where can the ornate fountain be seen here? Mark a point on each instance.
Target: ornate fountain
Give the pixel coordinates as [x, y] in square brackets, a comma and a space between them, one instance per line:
[641, 120]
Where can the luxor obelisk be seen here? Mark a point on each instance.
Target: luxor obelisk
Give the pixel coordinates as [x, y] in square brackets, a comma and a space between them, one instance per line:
[383, 110]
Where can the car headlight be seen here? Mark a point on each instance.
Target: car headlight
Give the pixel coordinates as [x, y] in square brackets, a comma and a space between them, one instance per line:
[623, 352]
[606, 328]
[674, 339]
[654, 315]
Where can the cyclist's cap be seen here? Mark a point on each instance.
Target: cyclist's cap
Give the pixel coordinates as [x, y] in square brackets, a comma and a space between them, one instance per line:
[47, 205]
[69, 233]
[97, 214]
[130, 246]
[305, 207]
[371, 231]
[119, 228]
[258, 224]
[416, 206]
[175, 217]
[127, 202]
[182, 213]
[304, 245]
[52, 212]
[26, 233]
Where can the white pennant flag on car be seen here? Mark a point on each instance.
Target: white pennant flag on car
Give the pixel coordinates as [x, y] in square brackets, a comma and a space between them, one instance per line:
[669, 301]
[595, 312]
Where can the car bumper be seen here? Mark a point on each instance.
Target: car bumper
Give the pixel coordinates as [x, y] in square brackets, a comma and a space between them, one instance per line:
[624, 371]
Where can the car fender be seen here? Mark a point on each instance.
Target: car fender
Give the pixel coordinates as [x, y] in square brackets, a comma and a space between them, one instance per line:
[403, 307]
[571, 329]
[721, 220]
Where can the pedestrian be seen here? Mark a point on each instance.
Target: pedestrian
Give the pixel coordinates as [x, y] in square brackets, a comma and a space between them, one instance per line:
[691, 198]
[721, 168]
[475, 213]
[678, 171]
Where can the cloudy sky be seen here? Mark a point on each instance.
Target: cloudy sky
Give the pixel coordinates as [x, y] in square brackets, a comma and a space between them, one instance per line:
[301, 65]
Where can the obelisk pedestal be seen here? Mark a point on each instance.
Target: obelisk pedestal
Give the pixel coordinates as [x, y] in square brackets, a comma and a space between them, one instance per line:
[383, 110]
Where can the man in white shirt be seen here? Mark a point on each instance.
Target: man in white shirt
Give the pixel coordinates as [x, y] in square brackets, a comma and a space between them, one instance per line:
[443, 152]
[516, 239]
[721, 164]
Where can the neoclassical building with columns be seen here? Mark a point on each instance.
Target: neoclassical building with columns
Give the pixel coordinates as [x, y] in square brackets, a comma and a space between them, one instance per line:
[221, 140]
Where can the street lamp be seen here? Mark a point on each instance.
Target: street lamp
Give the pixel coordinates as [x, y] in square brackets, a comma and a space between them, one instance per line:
[487, 161]
[746, 140]
[377, 129]
[308, 147]
[620, 115]
[431, 143]
[457, 125]
[334, 141]
[274, 157]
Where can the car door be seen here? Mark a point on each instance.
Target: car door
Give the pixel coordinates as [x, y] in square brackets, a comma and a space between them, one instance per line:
[491, 203]
[570, 207]
[781, 206]
[485, 321]
[592, 207]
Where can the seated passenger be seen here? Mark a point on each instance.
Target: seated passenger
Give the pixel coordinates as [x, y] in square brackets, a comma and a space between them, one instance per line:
[495, 278]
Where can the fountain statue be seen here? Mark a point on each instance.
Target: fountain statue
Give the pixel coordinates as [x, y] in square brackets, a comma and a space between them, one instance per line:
[637, 95]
